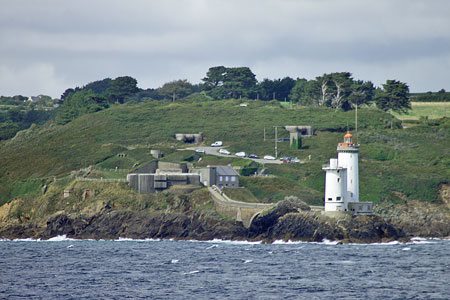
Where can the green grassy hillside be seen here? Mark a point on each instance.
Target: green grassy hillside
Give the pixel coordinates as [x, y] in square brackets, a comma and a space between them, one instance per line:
[394, 163]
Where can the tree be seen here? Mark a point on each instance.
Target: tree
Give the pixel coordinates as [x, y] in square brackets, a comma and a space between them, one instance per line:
[324, 91]
[362, 92]
[66, 94]
[312, 93]
[239, 82]
[176, 89]
[122, 87]
[221, 82]
[298, 90]
[340, 89]
[214, 77]
[80, 103]
[394, 96]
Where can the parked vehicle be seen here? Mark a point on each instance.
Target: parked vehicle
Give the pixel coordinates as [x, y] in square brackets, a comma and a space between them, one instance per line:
[217, 144]
[241, 154]
[200, 150]
[295, 160]
[269, 157]
[224, 151]
[253, 156]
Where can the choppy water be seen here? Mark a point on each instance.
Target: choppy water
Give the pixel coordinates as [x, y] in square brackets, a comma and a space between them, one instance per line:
[126, 269]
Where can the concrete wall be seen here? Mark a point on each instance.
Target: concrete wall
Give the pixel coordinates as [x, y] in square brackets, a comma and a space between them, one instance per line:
[239, 211]
[146, 183]
[162, 165]
[148, 168]
[360, 208]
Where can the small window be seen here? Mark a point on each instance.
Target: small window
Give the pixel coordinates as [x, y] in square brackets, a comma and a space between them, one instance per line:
[338, 179]
[227, 178]
[338, 198]
[220, 178]
[330, 199]
[233, 178]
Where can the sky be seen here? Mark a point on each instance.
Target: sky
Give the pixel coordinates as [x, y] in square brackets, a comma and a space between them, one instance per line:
[47, 46]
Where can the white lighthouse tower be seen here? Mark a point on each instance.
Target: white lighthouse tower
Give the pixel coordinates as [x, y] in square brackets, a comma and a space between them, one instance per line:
[342, 180]
[348, 159]
[335, 187]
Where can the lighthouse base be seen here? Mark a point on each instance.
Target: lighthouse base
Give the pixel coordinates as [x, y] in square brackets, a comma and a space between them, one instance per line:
[360, 208]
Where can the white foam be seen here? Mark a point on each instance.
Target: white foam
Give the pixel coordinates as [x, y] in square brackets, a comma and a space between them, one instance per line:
[213, 246]
[217, 241]
[406, 249]
[70, 246]
[192, 272]
[328, 242]
[248, 261]
[281, 242]
[60, 238]
[174, 261]
[122, 239]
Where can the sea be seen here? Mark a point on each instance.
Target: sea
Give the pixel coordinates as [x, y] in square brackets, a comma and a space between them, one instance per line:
[62, 268]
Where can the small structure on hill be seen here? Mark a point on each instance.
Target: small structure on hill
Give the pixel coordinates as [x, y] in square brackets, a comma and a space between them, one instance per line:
[296, 133]
[342, 181]
[195, 138]
[68, 192]
[158, 175]
[221, 176]
[156, 153]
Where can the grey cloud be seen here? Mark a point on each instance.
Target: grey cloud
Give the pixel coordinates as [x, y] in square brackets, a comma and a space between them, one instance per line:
[74, 42]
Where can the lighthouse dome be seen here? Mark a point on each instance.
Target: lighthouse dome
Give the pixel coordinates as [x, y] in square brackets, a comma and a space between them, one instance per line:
[348, 135]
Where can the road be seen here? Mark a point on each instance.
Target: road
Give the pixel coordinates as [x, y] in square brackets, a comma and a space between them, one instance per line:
[215, 151]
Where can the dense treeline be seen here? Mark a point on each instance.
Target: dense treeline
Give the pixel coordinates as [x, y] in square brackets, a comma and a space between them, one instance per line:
[441, 96]
[336, 90]
[19, 112]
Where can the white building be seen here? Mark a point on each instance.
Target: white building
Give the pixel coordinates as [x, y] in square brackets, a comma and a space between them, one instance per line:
[342, 180]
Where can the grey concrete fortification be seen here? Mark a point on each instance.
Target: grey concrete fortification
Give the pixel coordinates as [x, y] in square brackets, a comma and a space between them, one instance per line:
[302, 130]
[189, 137]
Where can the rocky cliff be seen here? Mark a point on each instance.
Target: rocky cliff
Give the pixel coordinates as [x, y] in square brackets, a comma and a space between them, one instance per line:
[289, 220]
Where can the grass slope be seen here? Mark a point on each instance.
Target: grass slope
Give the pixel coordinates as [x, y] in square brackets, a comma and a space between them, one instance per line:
[407, 162]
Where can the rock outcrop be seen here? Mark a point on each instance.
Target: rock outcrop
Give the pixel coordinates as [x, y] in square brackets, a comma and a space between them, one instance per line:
[291, 221]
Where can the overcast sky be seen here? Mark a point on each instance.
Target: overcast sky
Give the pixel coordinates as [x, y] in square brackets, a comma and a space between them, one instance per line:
[47, 46]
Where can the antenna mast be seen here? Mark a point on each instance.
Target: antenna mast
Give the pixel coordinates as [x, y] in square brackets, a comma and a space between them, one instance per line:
[356, 124]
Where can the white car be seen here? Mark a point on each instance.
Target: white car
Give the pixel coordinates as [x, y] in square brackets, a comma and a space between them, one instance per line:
[200, 150]
[269, 157]
[224, 151]
[217, 144]
[241, 154]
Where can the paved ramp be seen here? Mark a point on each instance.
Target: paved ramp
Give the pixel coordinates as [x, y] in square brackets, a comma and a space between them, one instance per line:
[240, 211]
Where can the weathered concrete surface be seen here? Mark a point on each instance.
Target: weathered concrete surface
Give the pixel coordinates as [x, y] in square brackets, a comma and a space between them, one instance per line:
[240, 211]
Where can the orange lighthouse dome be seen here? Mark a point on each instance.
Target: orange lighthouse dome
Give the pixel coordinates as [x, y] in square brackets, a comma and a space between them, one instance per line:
[348, 140]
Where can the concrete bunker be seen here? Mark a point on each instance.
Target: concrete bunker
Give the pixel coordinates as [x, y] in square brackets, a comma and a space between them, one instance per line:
[194, 138]
[296, 133]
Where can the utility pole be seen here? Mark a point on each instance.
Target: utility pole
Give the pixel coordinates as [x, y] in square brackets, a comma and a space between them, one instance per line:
[273, 96]
[356, 124]
[264, 133]
[276, 140]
